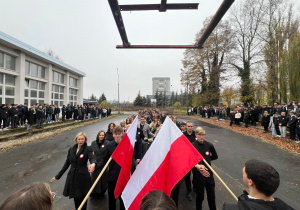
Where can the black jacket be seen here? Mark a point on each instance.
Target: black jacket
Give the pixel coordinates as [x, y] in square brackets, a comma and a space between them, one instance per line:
[4, 112]
[100, 151]
[283, 120]
[208, 152]
[292, 121]
[78, 180]
[246, 203]
[114, 168]
[13, 111]
[265, 120]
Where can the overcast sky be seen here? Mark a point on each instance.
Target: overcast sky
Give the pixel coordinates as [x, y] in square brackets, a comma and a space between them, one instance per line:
[84, 35]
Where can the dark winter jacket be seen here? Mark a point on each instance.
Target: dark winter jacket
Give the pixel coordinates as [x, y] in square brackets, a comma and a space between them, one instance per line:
[246, 203]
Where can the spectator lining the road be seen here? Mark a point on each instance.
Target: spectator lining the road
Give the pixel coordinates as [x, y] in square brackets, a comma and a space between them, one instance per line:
[32, 197]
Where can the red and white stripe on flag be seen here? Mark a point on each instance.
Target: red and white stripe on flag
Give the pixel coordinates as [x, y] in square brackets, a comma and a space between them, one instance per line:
[167, 161]
[123, 155]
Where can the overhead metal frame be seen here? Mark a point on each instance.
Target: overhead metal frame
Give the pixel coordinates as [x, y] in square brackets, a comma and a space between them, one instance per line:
[163, 7]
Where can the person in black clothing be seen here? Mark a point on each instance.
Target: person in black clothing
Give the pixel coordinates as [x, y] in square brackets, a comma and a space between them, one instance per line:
[63, 113]
[190, 135]
[3, 115]
[114, 169]
[99, 148]
[262, 180]
[203, 177]
[265, 120]
[276, 123]
[13, 113]
[109, 132]
[283, 120]
[78, 180]
[292, 125]
[246, 118]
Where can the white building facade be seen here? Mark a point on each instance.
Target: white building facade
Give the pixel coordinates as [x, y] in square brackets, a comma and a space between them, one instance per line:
[161, 85]
[30, 76]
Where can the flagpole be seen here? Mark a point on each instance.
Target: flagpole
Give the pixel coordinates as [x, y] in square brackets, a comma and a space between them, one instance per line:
[220, 179]
[94, 185]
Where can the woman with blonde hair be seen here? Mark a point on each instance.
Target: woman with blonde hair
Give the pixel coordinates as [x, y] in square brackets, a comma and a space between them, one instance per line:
[32, 197]
[78, 180]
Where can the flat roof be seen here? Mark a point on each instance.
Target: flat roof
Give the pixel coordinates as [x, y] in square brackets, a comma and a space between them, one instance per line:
[27, 48]
[160, 78]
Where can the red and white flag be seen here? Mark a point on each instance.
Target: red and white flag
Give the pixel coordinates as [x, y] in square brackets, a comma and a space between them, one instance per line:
[170, 157]
[123, 155]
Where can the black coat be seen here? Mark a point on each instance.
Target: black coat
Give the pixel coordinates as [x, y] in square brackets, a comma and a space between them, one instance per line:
[109, 136]
[78, 180]
[100, 151]
[265, 120]
[4, 113]
[30, 117]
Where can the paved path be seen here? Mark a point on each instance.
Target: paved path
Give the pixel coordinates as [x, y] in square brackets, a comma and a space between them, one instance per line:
[40, 161]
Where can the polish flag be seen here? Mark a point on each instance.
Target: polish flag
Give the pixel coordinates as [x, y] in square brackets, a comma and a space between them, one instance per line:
[170, 157]
[123, 156]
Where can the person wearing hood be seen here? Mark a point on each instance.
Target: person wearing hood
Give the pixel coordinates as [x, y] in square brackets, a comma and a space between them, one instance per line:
[262, 181]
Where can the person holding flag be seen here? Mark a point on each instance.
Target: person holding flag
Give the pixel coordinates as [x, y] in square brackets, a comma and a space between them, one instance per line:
[166, 162]
[203, 177]
[121, 161]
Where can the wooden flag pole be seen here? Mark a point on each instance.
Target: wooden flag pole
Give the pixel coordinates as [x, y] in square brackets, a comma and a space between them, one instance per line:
[94, 185]
[220, 179]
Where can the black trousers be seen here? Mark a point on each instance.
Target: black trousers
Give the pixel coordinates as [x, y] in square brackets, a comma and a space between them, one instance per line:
[78, 201]
[208, 183]
[277, 129]
[175, 193]
[13, 122]
[266, 127]
[111, 197]
[293, 133]
[188, 185]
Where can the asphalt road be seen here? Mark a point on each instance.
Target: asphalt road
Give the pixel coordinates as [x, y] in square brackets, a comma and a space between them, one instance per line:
[40, 161]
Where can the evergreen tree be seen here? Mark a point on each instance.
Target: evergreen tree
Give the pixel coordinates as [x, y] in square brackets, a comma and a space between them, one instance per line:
[93, 97]
[138, 101]
[102, 98]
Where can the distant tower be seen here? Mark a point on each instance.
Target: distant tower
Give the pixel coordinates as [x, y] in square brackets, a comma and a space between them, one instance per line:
[161, 84]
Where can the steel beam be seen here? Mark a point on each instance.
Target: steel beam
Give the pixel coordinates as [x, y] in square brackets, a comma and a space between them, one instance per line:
[215, 21]
[140, 7]
[163, 5]
[158, 46]
[115, 9]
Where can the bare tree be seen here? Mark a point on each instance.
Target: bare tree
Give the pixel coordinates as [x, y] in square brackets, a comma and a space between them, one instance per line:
[53, 54]
[246, 20]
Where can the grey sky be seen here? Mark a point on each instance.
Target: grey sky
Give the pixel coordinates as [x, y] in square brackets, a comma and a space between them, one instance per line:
[84, 34]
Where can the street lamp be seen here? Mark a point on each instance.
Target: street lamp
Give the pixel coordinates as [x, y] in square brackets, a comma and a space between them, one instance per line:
[118, 91]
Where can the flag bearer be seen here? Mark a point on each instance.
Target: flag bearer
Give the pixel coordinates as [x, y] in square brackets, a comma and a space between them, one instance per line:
[203, 177]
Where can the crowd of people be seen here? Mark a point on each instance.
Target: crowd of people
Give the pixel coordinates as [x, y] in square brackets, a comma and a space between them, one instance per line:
[279, 118]
[261, 183]
[20, 115]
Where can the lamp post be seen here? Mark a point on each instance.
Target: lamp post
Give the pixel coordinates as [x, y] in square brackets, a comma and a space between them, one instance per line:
[118, 91]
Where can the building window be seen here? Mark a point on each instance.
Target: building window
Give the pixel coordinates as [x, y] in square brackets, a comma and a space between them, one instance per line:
[35, 70]
[34, 91]
[58, 95]
[73, 82]
[7, 88]
[73, 96]
[1, 59]
[58, 77]
[7, 61]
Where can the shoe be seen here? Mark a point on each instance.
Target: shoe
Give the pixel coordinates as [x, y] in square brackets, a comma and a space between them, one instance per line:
[189, 197]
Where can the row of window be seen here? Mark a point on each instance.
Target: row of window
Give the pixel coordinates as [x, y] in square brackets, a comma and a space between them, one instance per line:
[35, 70]
[34, 92]
[7, 88]
[7, 61]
